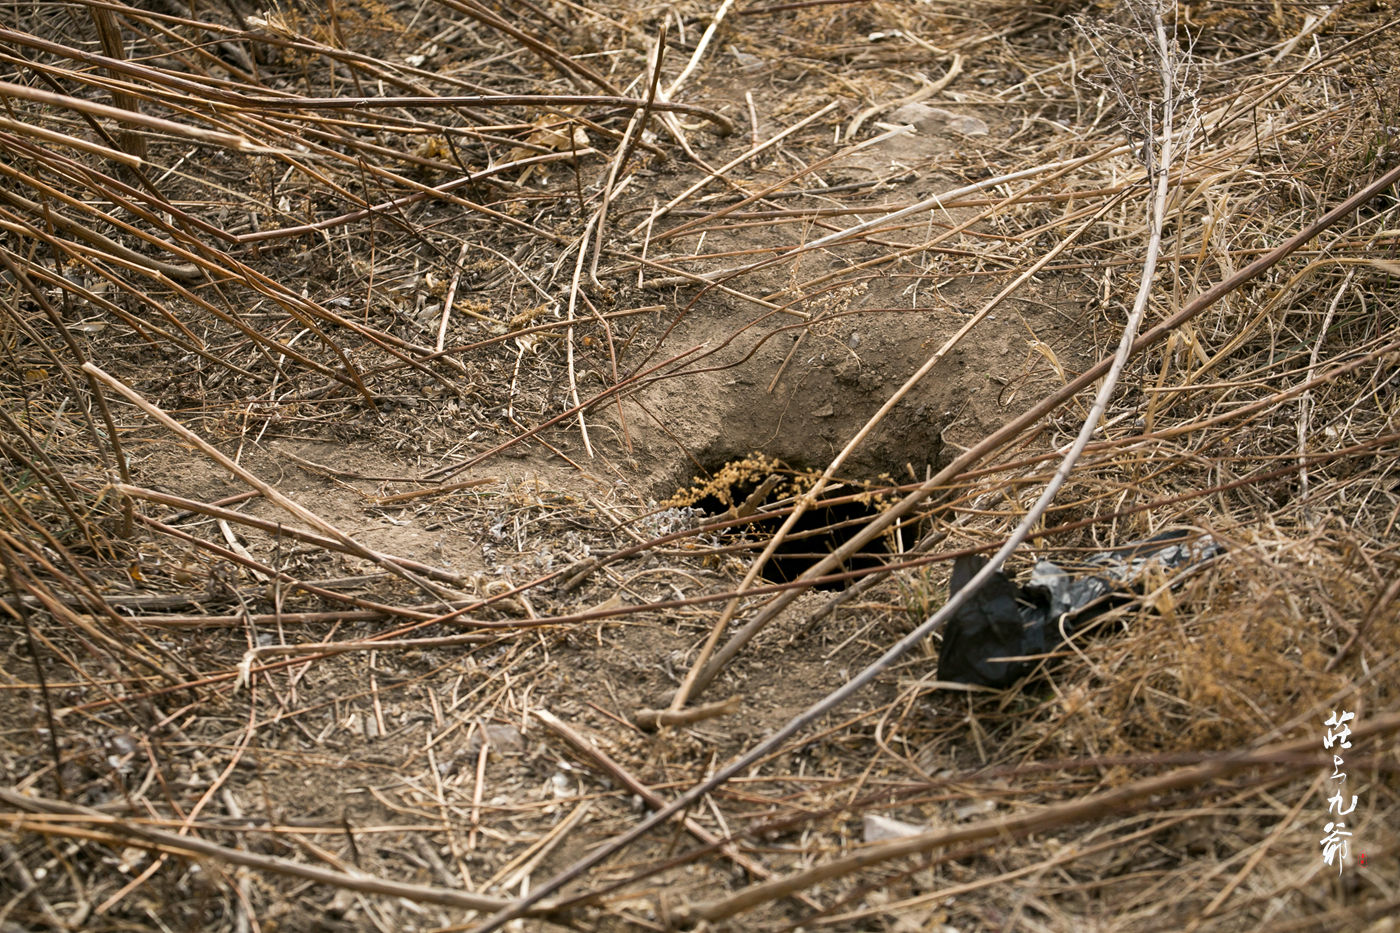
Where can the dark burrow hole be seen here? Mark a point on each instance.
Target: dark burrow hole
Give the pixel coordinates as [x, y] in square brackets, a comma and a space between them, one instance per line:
[759, 486]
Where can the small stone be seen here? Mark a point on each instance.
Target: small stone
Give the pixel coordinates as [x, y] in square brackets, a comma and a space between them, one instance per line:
[880, 828]
[501, 737]
[931, 121]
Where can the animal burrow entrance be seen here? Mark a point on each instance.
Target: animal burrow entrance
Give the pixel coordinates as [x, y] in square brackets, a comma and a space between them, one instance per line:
[763, 489]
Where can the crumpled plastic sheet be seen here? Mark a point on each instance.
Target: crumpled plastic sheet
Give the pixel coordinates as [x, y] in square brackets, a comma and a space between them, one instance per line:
[995, 638]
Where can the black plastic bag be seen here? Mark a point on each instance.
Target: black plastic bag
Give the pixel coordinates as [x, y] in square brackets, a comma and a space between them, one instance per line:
[1006, 620]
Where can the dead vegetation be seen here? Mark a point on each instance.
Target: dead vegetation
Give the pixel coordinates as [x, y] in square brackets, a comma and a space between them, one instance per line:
[349, 348]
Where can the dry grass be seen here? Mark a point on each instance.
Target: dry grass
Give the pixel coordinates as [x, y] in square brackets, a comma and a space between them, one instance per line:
[370, 259]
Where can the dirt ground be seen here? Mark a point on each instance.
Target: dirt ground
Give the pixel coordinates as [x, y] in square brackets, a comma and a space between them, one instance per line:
[416, 667]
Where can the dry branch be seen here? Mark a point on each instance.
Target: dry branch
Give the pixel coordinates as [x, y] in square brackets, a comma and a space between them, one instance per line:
[156, 124]
[75, 820]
